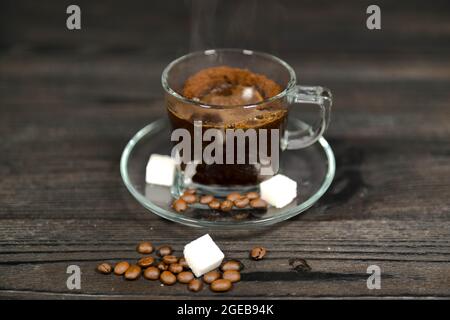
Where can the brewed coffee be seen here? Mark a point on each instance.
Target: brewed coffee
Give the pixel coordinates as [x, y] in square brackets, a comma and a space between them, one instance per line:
[235, 99]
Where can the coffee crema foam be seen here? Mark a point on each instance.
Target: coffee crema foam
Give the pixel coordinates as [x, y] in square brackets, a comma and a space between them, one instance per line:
[227, 86]
[230, 88]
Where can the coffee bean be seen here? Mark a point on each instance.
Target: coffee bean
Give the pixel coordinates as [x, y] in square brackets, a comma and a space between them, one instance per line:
[195, 285]
[299, 265]
[232, 275]
[226, 205]
[152, 273]
[232, 265]
[165, 251]
[167, 278]
[221, 285]
[104, 268]
[179, 205]
[169, 259]
[189, 198]
[211, 276]
[133, 272]
[185, 277]
[121, 268]
[258, 203]
[183, 263]
[175, 268]
[252, 195]
[241, 203]
[145, 248]
[162, 266]
[190, 191]
[258, 253]
[234, 196]
[206, 199]
[145, 262]
[215, 204]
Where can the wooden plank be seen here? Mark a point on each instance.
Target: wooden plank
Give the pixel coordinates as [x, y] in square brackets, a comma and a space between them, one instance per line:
[338, 252]
[410, 26]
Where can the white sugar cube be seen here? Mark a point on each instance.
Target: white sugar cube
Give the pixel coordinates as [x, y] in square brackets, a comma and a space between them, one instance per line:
[160, 170]
[203, 255]
[278, 191]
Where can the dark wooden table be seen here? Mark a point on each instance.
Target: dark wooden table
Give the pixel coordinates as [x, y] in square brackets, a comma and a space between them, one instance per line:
[70, 100]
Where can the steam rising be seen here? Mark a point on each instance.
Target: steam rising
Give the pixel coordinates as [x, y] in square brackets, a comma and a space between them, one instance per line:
[250, 24]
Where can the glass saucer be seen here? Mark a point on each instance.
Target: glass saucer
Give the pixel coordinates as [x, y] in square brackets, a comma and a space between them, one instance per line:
[313, 168]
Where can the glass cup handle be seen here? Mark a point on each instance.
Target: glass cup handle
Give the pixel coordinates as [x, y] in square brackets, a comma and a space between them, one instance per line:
[319, 96]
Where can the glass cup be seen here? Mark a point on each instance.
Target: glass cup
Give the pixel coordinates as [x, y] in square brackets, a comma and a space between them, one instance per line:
[260, 133]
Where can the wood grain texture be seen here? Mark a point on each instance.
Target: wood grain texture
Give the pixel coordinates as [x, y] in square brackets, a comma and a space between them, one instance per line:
[69, 102]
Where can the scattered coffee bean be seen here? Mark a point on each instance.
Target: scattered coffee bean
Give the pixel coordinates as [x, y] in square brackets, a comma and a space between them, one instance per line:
[190, 191]
[258, 203]
[206, 199]
[152, 273]
[145, 248]
[165, 251]
[162, 266]
[145, 262]
[258, 253]
[183, 263]
[215, 204]
[179, 205]
[211, 276]
[171, 268]
[299, 265]
[121, 268]
[241, 203]
[252, 195]
[221, 285]
[232, 275]
[189, 198]
[185, 277]
[169, 259]
[168, 278]
[234, 196]
[175, 268]
[133, 272]
[104, 268]
[195, 285]
[226, 205]
[232, 265]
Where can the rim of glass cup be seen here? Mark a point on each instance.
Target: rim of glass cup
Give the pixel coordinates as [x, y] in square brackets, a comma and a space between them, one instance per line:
[292, 77]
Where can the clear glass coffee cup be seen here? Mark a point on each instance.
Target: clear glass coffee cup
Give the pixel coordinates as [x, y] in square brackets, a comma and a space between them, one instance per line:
[248, 137]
